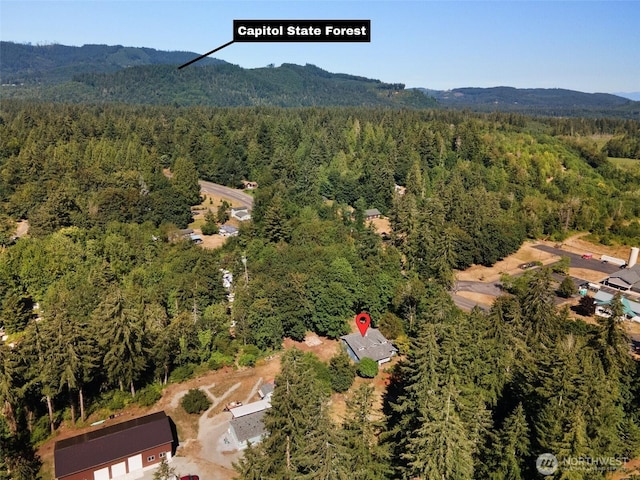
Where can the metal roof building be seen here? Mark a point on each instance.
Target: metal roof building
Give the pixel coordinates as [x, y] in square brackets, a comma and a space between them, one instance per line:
[116, 450]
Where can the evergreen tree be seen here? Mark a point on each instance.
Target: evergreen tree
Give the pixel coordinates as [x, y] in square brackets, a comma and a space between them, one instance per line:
[275, 224]
[366, 458]
[123, 339]
[538, 310]
[301, 442]
[185, 180]
[513, 448]
[342, 372]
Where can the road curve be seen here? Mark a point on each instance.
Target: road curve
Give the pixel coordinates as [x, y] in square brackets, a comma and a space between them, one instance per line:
[244, 199]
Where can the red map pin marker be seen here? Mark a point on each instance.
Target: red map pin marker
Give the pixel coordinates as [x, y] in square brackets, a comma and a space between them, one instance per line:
[363, 320]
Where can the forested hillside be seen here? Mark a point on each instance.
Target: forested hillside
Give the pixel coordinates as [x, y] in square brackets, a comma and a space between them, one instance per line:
[537, 101]
[122, 309]
[117, 74]
[225, 85]
[51, 64]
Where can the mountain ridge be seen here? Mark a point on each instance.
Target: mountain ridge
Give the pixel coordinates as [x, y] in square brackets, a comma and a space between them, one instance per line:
[114, 73]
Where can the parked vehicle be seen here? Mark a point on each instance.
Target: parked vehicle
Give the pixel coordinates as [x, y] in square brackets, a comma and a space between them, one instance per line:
[231, 405]
[190, 477]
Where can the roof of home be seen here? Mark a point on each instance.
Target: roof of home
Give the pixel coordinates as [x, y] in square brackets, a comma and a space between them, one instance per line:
[630, 276]
[373, 345]
[250, 408]
[228, 228]
[631, 308]
[266, 389]
[99, 447]
[249, 426]
[371, 212]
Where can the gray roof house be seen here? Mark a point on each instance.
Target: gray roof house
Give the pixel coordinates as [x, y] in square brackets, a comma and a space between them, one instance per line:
[247, 429]
[228, 231]
[373, 345]
[246, 425]
[625, 279]
[372, 213]
[241, 214]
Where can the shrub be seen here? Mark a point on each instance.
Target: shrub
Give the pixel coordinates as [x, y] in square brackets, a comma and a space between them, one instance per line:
[403, 344]
[182, 373]
[247, 360]
[368, 368]
[149, 395]
[219, 360]
[341, 372]
[118, 400]
[249, 356]
[209, 228]
[567, 288]
[195, 401]
[41, 430]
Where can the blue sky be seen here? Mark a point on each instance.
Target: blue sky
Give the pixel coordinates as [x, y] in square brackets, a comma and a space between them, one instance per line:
[592, 46]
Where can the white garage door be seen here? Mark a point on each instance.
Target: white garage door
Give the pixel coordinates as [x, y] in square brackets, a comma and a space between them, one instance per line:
[135, 463]
[118, 470]
[102, 474]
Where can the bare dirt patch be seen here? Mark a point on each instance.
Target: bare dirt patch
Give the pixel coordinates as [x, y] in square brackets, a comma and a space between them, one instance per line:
[381, 225]
[527, 253]
[478, 297]
[22, 228]
[210, 241]
[324, 350]
[589, 275]
[578, 244]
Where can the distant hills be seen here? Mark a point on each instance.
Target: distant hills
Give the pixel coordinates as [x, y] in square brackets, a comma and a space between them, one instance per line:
[544, 101]
[630, 95]
[107, 73]
[53, 64]
[101, 73]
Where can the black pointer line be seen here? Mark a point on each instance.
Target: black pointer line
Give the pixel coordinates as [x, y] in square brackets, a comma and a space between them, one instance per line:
[205, 55]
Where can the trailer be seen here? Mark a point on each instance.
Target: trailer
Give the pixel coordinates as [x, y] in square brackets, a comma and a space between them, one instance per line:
[613, 260]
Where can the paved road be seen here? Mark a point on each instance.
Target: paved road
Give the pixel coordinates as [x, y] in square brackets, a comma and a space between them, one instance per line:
[493, 289]
[240, 197]
[466, 304]
[578, 262]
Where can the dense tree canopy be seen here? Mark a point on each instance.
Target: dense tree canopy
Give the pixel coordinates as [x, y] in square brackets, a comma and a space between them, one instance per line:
[101, 296]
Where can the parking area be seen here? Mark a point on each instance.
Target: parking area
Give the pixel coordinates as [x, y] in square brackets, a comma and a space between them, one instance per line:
[578, 262]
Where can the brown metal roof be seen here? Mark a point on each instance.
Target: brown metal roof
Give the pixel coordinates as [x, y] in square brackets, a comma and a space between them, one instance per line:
[98, 447]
